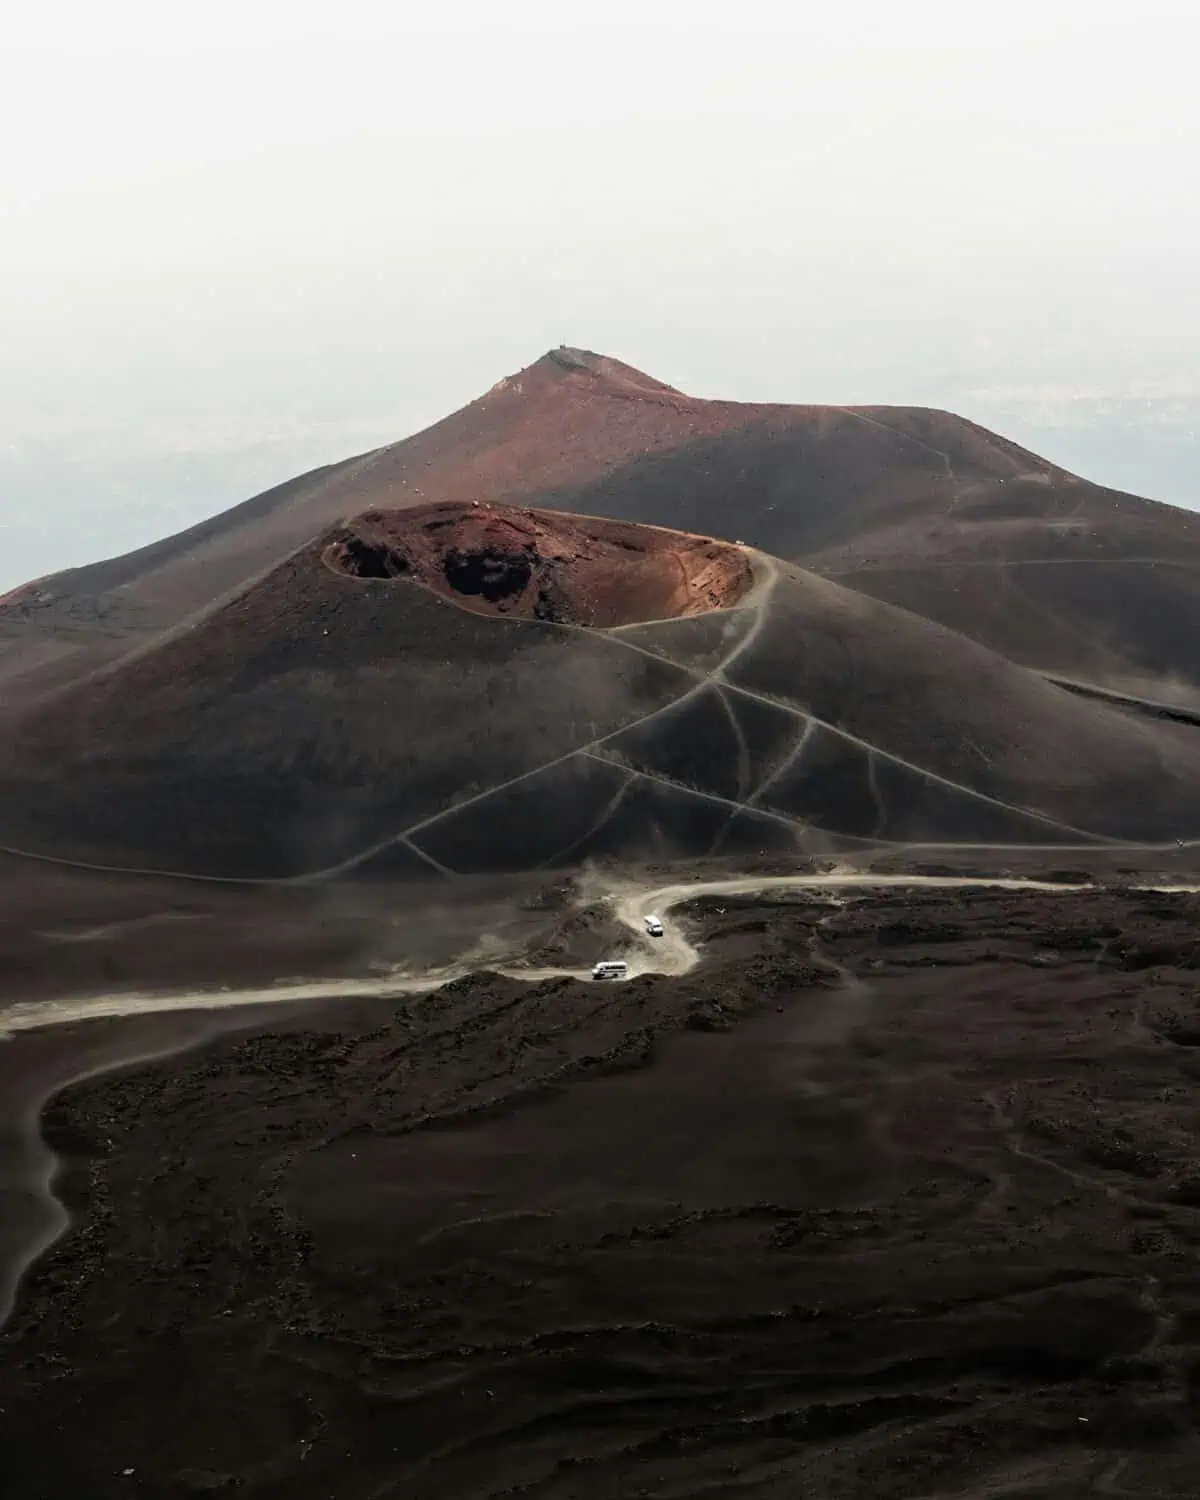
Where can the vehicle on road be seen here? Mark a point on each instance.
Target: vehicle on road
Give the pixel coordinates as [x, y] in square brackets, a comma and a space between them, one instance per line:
[610, 968]
[654, 925]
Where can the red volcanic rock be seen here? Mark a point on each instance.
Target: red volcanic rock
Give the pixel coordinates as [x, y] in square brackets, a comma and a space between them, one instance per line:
[917, 507]
[542, 565]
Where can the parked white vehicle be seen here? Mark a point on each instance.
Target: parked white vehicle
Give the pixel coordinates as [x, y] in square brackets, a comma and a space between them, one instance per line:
[654, 925]
[610, 968]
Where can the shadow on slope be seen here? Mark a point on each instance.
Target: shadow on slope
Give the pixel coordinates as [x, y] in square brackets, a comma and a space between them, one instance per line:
[1109, 621]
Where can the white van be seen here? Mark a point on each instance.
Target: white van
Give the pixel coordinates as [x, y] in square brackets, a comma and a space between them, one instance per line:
[654, 925]
[610, 968]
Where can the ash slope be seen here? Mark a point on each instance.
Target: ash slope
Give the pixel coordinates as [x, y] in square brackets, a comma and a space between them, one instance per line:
[324, 721]
[928, 511]
[917, 507]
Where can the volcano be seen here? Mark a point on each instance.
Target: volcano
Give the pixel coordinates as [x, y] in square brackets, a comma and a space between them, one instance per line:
[893, 1193]
[916, 507]
[467, 688]
[589, 616]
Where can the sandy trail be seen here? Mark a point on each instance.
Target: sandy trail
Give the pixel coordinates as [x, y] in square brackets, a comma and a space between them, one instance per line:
[163, 1024]
[672, 954]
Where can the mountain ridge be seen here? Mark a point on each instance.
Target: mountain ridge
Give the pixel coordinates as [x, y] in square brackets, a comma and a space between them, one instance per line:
[907, 504]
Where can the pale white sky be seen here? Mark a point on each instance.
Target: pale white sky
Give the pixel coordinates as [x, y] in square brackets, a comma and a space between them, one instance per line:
[94, 94]
[261, 234]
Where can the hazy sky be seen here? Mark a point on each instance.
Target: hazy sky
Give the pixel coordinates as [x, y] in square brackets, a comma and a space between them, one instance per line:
[239, 239]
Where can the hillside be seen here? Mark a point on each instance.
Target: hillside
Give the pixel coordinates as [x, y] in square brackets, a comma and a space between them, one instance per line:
[466, 689]
[916, 507]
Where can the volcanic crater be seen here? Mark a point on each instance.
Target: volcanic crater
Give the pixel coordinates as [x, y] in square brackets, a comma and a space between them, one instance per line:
[544, 565]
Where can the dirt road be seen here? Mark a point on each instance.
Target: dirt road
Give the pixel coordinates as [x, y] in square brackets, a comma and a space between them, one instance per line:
[892, 1196]
[672, 954]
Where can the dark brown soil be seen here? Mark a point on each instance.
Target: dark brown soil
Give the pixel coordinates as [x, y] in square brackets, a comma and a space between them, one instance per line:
[67, 932]
[892, 1198]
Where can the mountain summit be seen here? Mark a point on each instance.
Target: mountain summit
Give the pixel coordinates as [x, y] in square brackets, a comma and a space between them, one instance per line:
[915, 506]
[588, 616]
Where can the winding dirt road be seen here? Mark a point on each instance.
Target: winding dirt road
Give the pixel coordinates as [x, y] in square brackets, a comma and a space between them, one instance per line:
[879, 1110]
[672, 954]
[31, 1177]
